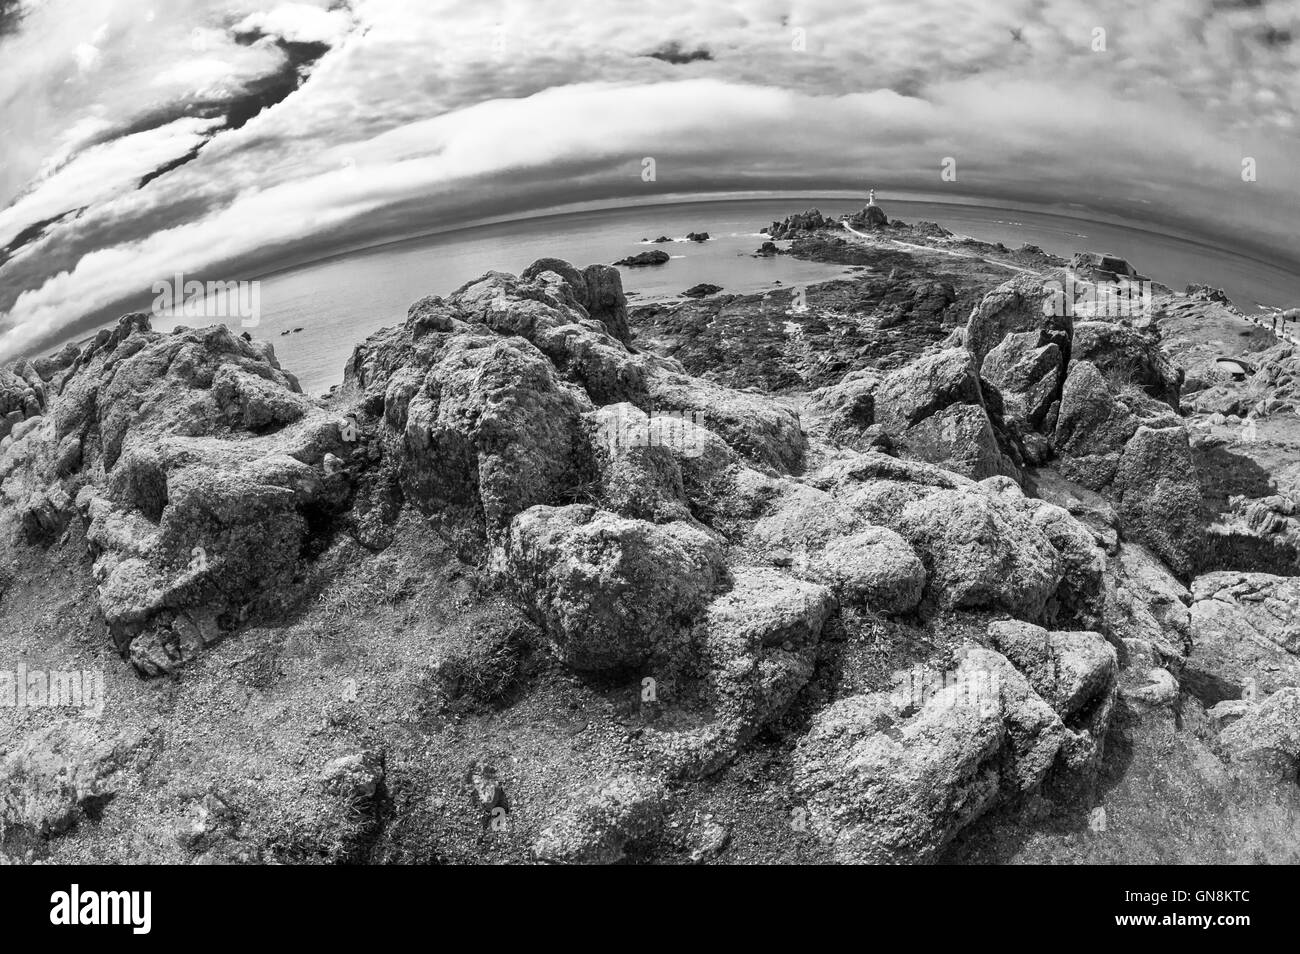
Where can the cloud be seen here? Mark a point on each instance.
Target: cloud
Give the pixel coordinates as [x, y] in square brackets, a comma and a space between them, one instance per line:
[102, 171]
[429, 114]
[299, 23]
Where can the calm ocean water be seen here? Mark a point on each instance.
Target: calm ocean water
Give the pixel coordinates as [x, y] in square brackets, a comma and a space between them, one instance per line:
[340, 301]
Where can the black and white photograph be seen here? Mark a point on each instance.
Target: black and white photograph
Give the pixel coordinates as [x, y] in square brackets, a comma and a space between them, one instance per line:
[767, 432]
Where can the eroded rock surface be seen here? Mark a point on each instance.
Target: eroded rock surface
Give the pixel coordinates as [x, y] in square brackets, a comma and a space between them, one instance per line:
[921, 559]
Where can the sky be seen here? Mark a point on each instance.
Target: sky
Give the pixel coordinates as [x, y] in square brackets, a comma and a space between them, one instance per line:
[221, 140]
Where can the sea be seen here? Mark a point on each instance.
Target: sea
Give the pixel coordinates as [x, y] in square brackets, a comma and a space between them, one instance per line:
[336, 303]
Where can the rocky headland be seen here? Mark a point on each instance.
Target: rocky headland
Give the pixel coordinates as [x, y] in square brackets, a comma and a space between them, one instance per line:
[910, 566]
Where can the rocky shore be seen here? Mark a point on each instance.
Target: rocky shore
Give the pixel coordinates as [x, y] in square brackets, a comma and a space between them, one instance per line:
[911, 566]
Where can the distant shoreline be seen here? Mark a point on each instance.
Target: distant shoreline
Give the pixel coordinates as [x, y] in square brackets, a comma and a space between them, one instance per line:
[908, 206]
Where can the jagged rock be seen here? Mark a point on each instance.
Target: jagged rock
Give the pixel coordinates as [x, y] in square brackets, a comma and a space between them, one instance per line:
[431, 314]
[1081, 597]
[1244, 636]
[1124, 354]
[989, 544]
[609, 591]
[48, 367]
[642, 259]
[1207, 293]
[565, 271]
[1016, 306]
[487, 427]
[792, 225]
[601, 825]
[21, 396]
[706, 460]
[1074, 672]
[1150, 690]
[197, 471]
[874, 567]
[702, 290]
[605, 300]
[934, 410]
[225, 538]
[891, 779]
[596, 361]
[846, 411]
[960, 437]
[981, 551]
[660, 528]
[1224, 714]
[579, 322]
[799, 519]
[1267, 602]
[45, 515]
[256, 403]
[908, 396]
[1277, 375]
[753, 425]
[658, 467]
[506, 304]
[1027, 371]
[639, 476]
[872, 474]
[60, 774]
[883, 788]
[756, 644]
[1149, 607]
[871, 217]
[1267, 736]
[1091, 427]
[1158, 498]
[1088, 507]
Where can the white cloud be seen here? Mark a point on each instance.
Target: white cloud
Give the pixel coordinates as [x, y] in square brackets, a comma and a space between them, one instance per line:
[102, 171]
[86, 57]
[439, 117]
[299, 23]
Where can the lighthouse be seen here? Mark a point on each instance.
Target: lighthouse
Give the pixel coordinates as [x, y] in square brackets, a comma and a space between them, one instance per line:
[871, 215]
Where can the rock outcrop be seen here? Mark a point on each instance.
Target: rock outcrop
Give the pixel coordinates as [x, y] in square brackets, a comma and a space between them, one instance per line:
[61, 775]
[932, 410]
[792, 225]
[609, 591]
[642, 259]
[930, 573]
[22, 397]
[1245, 640]
[199, 470]
[890, 778]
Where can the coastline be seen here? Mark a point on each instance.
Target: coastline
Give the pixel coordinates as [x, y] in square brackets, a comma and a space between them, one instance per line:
[952, 214]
